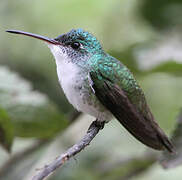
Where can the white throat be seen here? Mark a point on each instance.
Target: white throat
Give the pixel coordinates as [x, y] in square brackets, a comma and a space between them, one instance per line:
[66, 70]
[68, 74]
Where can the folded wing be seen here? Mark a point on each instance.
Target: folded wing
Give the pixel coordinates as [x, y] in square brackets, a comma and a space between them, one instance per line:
[116, 101]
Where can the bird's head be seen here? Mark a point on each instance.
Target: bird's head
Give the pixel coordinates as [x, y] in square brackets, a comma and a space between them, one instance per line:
[76, 45]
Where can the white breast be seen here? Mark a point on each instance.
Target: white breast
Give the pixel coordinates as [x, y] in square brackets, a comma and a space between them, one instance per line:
[71, 77]
[68, 74]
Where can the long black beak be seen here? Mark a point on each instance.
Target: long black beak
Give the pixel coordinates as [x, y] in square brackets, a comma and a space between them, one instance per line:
[43, 38]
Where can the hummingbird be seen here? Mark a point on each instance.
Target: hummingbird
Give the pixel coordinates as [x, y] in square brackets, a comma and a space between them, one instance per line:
[98, 84]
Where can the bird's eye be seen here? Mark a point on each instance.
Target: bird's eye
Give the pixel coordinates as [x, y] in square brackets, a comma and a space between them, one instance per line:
[75, 45]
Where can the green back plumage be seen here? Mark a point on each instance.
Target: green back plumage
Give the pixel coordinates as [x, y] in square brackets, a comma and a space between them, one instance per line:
[119, 74]
[117, 89]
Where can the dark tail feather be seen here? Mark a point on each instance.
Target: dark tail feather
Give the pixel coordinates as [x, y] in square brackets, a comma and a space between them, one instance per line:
[166, 142]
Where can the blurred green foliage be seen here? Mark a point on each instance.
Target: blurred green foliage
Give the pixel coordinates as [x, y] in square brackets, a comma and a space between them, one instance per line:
[167, 160]
[31, 113]
[32, 104]
[163, 14]
[6, 130]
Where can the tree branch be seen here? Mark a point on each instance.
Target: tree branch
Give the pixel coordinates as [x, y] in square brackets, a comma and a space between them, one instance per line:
[75, 149]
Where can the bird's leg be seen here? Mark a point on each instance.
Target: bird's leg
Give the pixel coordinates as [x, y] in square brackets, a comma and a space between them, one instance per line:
[96, 123]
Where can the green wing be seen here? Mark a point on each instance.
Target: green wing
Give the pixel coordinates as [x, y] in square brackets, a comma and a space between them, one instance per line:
[139, 122]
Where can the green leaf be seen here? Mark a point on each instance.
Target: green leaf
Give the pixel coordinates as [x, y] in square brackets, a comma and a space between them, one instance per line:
[31, 112]
[6, 130]
[43, 122]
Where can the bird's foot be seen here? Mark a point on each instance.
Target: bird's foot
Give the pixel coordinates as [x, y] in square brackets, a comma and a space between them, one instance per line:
[98, 124]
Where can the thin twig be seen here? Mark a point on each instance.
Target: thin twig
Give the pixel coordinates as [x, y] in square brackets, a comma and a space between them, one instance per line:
[75, 149]
[23, 154]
